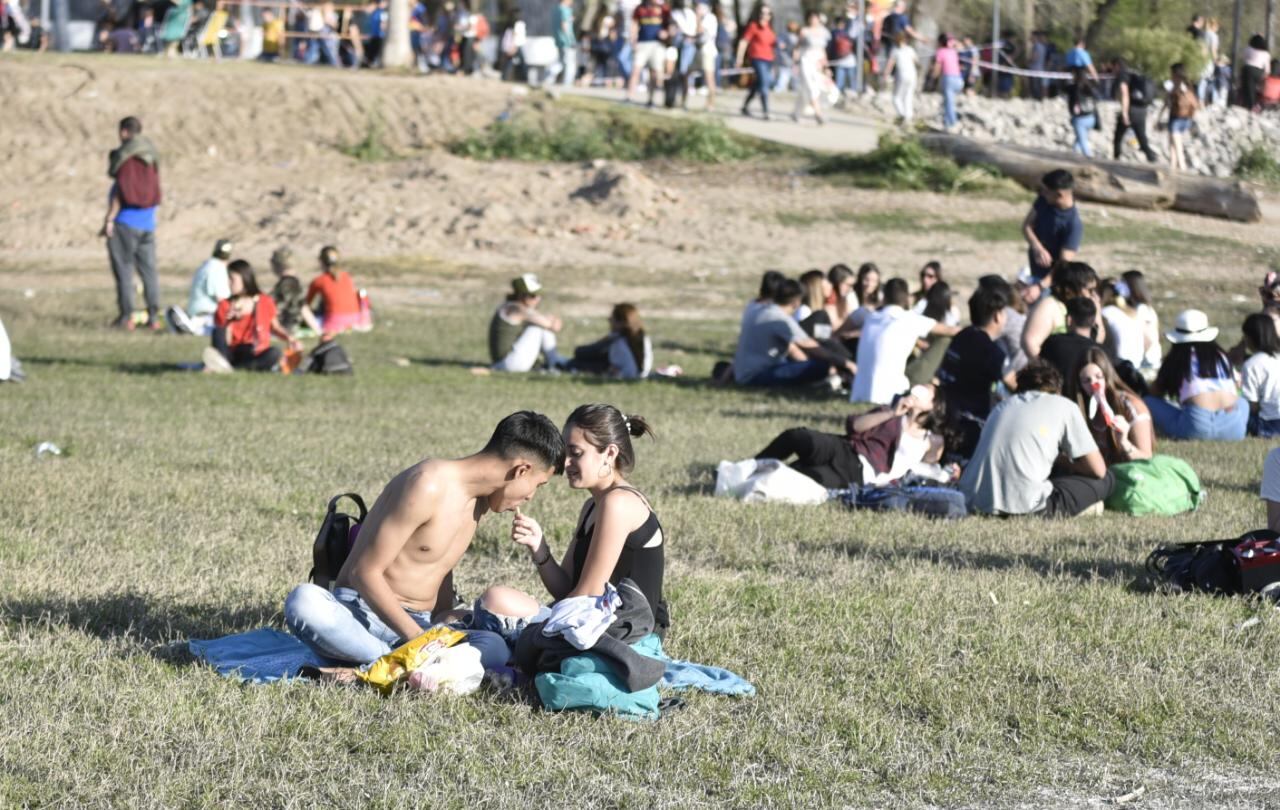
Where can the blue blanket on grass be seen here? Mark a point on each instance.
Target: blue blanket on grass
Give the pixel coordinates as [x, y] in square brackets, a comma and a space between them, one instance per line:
[266, 655]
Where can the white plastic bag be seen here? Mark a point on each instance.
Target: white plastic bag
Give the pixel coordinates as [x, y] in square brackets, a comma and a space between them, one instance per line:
[455, 669]
[767, 479]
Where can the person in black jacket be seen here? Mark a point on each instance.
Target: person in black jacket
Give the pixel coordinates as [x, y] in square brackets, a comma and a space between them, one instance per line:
[1134, 91]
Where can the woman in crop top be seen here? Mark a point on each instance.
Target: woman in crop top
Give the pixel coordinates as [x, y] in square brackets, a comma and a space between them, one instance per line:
[618, 535]
[1198, 372]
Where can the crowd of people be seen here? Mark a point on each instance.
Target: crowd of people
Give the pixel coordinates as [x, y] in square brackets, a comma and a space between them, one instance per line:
[1058, 376]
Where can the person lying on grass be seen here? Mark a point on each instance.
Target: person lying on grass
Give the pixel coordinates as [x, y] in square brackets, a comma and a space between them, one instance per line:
[398, 579]
[618, 535]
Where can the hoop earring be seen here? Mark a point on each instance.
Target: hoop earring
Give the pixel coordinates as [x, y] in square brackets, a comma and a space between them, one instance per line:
[605, 470]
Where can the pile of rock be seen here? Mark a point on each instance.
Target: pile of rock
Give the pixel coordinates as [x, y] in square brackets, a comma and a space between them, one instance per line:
[1216, 142]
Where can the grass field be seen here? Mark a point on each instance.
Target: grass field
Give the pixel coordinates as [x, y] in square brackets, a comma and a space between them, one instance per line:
[900, 663]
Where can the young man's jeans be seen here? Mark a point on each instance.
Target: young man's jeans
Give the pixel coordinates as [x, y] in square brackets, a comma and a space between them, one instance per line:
[1265, 428]
[342, 626]
[1192, 422]
[130, 249]
[951, 87]
[791, 372]
[847, 79]
[1083, 125]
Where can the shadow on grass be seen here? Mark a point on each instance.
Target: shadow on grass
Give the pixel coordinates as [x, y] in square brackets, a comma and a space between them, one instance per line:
[1085, 570]
[150, 368]
[701, 481]
[446, 362]
[715, 350]
[149, 621]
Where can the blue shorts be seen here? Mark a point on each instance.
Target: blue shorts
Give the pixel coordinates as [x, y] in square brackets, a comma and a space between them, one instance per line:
[1179, 125]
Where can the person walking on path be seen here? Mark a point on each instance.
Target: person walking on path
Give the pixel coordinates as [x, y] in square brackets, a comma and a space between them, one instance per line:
[904, 67]
[1134, 91]
[811, 59]
[130, 224]
[1182, 106]
[1082, 101]
[757, 45]
[946, 68]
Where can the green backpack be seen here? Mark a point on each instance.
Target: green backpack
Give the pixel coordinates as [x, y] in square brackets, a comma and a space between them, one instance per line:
[1161, 485]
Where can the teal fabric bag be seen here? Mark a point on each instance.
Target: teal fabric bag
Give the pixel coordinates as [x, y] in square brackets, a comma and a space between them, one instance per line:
[1161, 485]
[586, 683]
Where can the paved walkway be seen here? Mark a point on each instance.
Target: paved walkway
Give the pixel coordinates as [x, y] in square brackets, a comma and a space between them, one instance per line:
[843, 132]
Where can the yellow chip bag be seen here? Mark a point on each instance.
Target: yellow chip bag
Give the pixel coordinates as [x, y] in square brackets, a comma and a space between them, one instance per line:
[396, 665]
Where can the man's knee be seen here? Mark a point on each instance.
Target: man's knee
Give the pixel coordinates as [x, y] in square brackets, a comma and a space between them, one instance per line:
[309, 605]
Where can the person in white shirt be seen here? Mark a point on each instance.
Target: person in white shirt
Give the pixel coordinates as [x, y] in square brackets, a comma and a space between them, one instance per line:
[904, 66]
[209, 285]
[811, 61]
[10, 368]
[706, 30]
[1260, 375]
[1126, 335]
[626, 353]
[888, 337]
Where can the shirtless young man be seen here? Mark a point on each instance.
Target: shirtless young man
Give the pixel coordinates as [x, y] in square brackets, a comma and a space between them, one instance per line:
[400, 572]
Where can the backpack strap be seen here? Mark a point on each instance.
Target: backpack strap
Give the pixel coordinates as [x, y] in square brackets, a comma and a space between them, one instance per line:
[359, 502]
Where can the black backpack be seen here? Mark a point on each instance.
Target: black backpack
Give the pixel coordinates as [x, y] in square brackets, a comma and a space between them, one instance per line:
[1142, 91]
[329, 358]
[333, 543]
[1248, 564]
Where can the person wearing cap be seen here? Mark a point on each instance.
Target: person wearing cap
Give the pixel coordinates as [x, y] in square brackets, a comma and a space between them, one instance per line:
[519, 334]
[1053, 228]
[333, 294]
[1013, 466]
[879, 446]
[209, 286]
[1198, 372]
[291, 301]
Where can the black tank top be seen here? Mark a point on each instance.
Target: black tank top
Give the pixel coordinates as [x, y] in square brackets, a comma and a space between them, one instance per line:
[643, 565]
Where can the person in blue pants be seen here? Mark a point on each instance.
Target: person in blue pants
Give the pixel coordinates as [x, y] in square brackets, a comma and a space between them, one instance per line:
[1198, 372]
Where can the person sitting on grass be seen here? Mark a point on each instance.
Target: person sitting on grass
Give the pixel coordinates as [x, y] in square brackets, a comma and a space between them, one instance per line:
[243, 326]
[290, 300]
[398, 579]
[868, 295]
[1049, 314]
[973, 364]
[930, 351]
[879, 446]
[618, 535]
[332, 295]
[1260, 376]
[1198, 372]
[10, 368]
[815, 289]
[519, 334]
[1270, 490]
[209, 287]
[774, 351]
[1117, 417]
[888, 338]
[1024, 439]
[626, 353]
[1064, 351]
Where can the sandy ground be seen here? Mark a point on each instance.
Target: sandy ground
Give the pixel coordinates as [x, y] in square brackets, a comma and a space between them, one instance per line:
[250, 152]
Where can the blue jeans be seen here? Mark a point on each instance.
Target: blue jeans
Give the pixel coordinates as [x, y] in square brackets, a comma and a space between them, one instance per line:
[951, 87]
[1192, 422]
[1266, 428]
[791, 372]
[847, 79]
[761, 85]
[1083, 125]
[342, 626]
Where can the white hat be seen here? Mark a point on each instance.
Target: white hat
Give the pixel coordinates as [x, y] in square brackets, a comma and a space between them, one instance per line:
[1025, 276]
[1192, 326]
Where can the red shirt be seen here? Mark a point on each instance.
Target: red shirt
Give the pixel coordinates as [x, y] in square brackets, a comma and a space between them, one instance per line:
[760, 40]
[338, 293]
[253, 330]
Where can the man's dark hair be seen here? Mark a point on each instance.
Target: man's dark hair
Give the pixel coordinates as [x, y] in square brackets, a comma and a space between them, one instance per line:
[1059, 180]
[1071, 279]
[788, 292]
[1082, 312]
[986, 303]
[528, 435]
[992, 281]
[897, 292]
[1039, 376]
[1258, 42]
[131, 125]
[769, 284]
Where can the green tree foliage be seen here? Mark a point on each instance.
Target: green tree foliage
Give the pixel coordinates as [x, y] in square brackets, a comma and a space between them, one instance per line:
[1153, 50]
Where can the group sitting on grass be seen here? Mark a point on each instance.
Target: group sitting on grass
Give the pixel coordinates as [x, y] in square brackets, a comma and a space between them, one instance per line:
[398, 578]
[227, 305]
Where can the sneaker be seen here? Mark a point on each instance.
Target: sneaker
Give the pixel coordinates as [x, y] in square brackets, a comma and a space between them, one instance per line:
[178, 319]
[214, 362]
[125, 324]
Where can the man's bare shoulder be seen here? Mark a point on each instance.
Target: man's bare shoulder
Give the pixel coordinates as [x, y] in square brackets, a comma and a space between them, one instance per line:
[430, 479]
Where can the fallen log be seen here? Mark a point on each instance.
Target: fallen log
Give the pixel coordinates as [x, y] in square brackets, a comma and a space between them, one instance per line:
[1133, 185]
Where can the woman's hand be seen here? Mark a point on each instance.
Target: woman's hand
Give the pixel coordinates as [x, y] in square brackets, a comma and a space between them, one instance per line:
[1121, 426]
[526, 531]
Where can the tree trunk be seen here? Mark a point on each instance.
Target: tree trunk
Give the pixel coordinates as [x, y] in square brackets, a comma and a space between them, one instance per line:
[1099, 22]
[396, 52]
[1133, 185]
